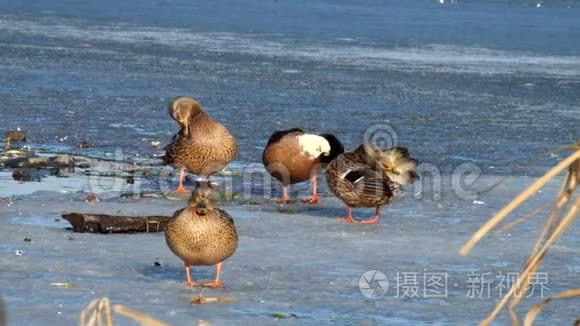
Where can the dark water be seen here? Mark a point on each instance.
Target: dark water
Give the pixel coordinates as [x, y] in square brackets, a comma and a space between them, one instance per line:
[493, 83]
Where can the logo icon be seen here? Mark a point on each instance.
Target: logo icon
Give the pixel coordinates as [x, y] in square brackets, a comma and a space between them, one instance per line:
[381, 135]
[373, 284]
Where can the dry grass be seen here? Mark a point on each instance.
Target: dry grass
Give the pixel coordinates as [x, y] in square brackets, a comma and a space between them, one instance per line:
[201, 299]
[564, 212]
[531, 315]
[99, 313]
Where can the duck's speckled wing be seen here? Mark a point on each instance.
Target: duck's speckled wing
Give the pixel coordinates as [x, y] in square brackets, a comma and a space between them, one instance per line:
[208, 149]
[226, 217]
[358, 182]
[367, 183]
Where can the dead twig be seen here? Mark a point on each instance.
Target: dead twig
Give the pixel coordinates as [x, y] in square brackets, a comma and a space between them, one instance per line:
[100, 314]
[523, 218]
[521, 198]
[536, 309]
[563, 214]
[138, 316]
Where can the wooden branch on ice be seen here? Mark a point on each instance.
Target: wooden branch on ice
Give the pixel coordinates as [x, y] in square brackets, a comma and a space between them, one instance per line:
[103, 223]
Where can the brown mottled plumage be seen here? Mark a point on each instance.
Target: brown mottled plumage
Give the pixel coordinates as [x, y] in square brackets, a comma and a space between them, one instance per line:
[203, 146]
[202, 235]
[370, 177]
[291, 158]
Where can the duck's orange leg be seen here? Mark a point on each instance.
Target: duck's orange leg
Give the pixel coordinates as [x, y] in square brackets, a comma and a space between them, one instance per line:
[375, 219]
[314, 198]
[216, 282]
[188, 281]
[180, 185]
[348, 219]
[285, 197]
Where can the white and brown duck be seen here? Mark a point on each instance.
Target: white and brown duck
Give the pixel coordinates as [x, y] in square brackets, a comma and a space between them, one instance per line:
[293, 156]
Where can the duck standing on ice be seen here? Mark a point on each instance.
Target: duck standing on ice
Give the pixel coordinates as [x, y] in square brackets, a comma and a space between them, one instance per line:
[201, 234]
[293, 156]
[203, 146]
[370, 177]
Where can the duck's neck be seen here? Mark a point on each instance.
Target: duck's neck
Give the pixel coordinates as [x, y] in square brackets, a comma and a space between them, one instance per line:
[199, 121]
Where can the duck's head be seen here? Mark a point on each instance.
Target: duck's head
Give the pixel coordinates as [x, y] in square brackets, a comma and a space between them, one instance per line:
[395, 163]
[326, 146]
[202, 197]
[183, 109]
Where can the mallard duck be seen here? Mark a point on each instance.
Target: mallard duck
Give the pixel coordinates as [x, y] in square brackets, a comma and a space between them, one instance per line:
[201, 234]
[203, 146]
[293, 156]
[13, 136]
[370, 177]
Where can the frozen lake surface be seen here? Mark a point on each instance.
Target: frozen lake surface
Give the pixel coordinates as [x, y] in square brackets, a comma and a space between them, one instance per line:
[297, 261]
[484, 86]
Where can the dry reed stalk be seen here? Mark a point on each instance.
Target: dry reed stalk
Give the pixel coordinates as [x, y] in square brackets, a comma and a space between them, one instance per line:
[556, 224]
[563, 198]
[566, 221]
[98, 307]
[536, 309]
[521, 198]
[138, 316]
[90, 307]
[523, 218]
[101, 315]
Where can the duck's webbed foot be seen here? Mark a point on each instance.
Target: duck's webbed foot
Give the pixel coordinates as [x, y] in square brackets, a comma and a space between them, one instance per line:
[348, 219]
[213, 285]
[216, 282]
[188, 280]
[181, 189]
[314, 199]
[285, 199]
[375, 219]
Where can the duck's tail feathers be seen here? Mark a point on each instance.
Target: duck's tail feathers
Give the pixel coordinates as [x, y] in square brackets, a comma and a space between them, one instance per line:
[278, 135]
[399, 166]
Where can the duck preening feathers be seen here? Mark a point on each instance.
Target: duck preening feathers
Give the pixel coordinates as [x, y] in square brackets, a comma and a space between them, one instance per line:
[370, 177]
[203, 146]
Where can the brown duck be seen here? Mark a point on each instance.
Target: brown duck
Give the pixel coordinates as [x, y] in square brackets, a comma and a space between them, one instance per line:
[370, 177]
[293, 156]
[201, 234]
[203, 146]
